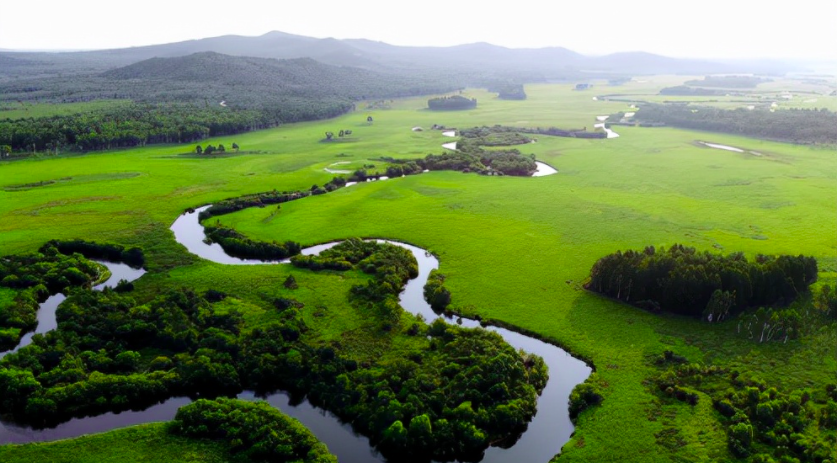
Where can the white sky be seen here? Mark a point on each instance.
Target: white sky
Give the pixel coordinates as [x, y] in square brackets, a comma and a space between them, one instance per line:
[805, 29]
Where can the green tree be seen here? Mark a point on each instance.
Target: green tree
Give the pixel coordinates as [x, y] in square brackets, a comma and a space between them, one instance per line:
[198, 149]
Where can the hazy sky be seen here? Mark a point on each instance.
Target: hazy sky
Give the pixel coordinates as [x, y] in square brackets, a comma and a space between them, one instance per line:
[699, 28]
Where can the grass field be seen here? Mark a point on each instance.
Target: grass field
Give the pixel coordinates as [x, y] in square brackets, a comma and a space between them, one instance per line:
[140, 444]
[513, 249]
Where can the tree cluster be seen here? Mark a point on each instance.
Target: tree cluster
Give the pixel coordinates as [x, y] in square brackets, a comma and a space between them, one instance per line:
[494, 136]
[35, 277]
[93, 250]
[92, 363]
[761, 422]
[256, 430]
[238, 245]
[790, 125]
[684, 281]
[452, 103]
[509, 91]
[435, 293]
[470, 157]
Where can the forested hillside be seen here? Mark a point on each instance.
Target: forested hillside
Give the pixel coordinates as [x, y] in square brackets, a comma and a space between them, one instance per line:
[190, 98]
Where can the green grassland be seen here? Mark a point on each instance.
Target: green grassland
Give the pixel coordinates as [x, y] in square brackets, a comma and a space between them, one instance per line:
[513, 249]
[802, 93]
[146, 444]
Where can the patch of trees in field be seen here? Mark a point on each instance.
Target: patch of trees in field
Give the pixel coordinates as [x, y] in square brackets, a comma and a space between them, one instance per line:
[467, 158]
[684, 281]
[509, 91]
[446, 396]
[494, 136]
[486, 135]
[485, 162]
[791, 125]
[728, 81]
[257, 430]
[452, 103]
[762, 423]
[185, 99]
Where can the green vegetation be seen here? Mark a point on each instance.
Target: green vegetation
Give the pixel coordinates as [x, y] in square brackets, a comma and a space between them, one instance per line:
[761, 422]
[516, 250]
[454, 102]
[35, 277]
[509, 91]
[189, 98]
[256, 430]
[110, 353]
[728, 81]
[713, 286]
[139, 444]
[792, 125]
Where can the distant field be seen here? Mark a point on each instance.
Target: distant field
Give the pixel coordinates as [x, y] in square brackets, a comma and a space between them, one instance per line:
[23, 110]
[513, 249]
[802, 93]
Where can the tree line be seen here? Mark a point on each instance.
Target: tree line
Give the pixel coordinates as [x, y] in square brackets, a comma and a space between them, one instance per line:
[790, 125]
[186, 99]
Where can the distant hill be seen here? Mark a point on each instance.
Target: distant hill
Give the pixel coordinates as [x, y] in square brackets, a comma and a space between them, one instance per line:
[243, 82]
[469, 60]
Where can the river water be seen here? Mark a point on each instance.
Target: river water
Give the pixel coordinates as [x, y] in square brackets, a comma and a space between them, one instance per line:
[549, 430]
[46, 310]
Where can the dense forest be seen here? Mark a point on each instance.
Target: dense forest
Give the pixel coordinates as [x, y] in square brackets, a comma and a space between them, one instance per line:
[449, 397]
[762, 423]
[790, 125]
[685, 281]
[184, 99]
[452, 103]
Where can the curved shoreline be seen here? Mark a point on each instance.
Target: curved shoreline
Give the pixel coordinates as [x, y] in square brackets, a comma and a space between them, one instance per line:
[46, 309]
[547, 432]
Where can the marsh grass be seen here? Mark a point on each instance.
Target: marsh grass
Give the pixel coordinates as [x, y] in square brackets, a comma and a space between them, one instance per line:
[514, 250]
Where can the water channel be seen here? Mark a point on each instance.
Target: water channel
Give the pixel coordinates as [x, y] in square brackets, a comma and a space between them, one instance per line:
[549, 430]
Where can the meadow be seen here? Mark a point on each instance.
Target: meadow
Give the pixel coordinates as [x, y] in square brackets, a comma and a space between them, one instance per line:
[515, 250]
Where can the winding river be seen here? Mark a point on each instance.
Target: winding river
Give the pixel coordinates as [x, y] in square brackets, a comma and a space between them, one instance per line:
[46, 310]
[549, 430]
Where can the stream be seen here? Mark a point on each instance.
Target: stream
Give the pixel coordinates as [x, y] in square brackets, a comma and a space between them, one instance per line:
[549, 430]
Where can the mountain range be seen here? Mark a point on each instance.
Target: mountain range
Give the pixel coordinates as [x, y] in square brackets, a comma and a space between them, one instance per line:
[478, 59]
